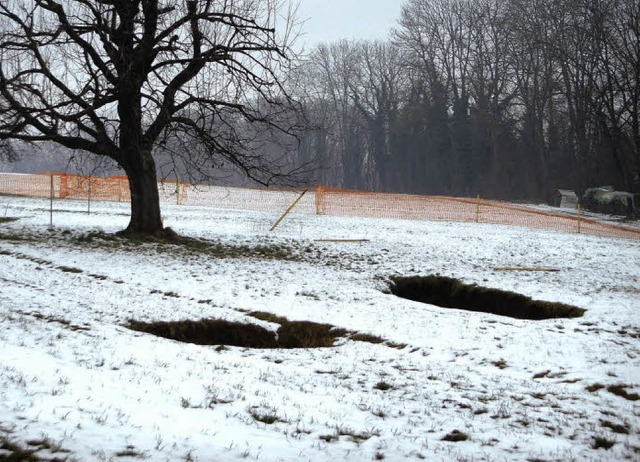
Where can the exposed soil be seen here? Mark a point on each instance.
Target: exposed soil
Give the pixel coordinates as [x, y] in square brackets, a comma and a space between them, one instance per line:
[290, 334]
[451, 293]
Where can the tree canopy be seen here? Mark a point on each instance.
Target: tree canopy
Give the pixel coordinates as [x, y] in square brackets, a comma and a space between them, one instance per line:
[123, 78]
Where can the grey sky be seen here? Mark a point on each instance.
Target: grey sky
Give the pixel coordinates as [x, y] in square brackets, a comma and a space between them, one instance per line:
[329, 20]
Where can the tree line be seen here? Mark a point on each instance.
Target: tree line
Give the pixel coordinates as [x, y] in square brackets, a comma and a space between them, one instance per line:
[503, 98]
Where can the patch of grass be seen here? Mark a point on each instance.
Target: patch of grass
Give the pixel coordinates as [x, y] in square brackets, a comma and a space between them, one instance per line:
[595, 387]
[269, 317]
[369, 338]
[266, 416]
[17, 237]
[452, 293]
[382, 385]
[48, 443]
[355, 436]
[69, 269]
[8, 219]
[329, 438]
[17, 453]
[541, 375]
[602, 442]
[52, 319]
[455, 436]
[501, 364]
[397, 346]
[131, 451]
[311, 295]
[619, 390]
[616, 428]
[170, 242]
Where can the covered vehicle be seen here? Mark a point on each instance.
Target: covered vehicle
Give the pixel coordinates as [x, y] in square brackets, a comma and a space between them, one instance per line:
[605, 199]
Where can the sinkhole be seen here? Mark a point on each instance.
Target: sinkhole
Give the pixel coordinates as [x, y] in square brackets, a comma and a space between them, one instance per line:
[290, 334]
[448, 292]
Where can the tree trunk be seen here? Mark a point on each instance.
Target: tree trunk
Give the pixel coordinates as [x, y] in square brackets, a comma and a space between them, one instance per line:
[145, 201]
[137, 162]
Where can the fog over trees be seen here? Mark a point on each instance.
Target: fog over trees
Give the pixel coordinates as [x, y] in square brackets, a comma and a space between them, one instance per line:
[502, 98]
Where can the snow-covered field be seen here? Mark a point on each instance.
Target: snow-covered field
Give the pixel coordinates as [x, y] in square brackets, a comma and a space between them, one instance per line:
[77, 385]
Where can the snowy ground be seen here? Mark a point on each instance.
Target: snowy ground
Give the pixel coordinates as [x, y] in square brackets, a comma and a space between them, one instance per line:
[76, 385]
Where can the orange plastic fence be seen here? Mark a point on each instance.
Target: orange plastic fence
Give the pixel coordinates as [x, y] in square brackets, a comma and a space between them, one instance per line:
[332, 201]
[323, 201]
[67, 186]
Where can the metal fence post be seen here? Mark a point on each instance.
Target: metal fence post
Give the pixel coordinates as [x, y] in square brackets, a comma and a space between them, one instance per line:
[51, 203]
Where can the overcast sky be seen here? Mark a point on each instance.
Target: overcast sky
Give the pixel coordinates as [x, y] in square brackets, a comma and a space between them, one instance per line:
[329, 20]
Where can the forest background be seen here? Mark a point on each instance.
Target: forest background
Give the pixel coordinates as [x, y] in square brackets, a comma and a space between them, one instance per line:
[506, 99]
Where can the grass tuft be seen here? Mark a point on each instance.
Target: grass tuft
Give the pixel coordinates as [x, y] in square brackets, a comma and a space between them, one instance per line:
[130, 451]
[602, 442]
[369, 338]
[69, 269]
[382, 385]
[16, 452]
[616, 428]
[619, 390]
[501, 364]
[268, 317]
[268, 416]
[455, 436]
[595, 387]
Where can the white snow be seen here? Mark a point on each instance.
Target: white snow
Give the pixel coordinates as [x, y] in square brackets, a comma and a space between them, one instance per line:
[74, 379]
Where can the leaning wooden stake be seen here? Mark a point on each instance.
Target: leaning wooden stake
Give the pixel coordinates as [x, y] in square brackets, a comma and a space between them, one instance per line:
[288, 210]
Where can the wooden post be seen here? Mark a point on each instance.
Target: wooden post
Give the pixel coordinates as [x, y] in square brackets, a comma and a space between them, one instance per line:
[289, 210]
[478, 208]
[319, 200]
[579, 218]
[89, 196]
[177, 190]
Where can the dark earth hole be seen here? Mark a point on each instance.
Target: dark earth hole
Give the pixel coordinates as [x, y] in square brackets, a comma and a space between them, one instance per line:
[451, 293]
[291, 334]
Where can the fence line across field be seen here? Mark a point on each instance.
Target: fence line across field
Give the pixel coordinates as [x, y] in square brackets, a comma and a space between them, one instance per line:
[321, 201]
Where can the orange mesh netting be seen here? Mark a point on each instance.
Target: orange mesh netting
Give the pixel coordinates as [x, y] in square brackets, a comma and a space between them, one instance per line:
[333, 201]
[323, 201]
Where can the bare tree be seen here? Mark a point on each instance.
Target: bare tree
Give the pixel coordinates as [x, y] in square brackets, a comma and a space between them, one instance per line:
[618, 82]
[376, 92]
[118, 78]
[7, 152]
[333, 69]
